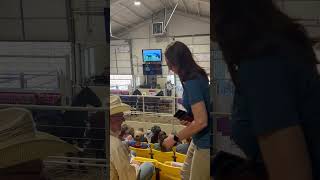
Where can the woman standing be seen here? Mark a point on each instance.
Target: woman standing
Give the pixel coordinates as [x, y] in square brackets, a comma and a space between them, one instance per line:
[273, 66]
[196, 101]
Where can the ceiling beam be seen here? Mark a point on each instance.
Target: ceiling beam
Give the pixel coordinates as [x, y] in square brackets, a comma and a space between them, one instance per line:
[163, 4]
[137, 15]
[147, 7]
[185, 7]
[117, 22]
[112, 2]
[202, 1]
[139, 24]
[170, 4]
[199, 10]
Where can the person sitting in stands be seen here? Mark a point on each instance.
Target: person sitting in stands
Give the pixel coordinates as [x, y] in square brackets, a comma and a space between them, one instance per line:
[183, 148]
[137, 142]
[158, 146]
[121, 167]
[148, 135]
[131, 131]
[143, 138]
[125, 135]
[155, 131]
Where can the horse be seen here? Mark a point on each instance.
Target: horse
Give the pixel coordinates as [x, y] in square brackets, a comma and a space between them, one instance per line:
[70, 126]
[97, 134]
[76, 121]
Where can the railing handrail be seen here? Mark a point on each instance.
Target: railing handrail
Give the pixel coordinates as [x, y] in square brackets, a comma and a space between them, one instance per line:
[42, 107]
[148, 96]
[28, 90]
[32, 74]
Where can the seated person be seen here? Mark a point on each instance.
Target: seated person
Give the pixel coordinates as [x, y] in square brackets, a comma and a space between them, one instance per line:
[158, 146]
[124, 135]
[137, 142]
[121, 167]
[183, 148]
[148, 135]
[155, 133]
[131, 131]
[143, 137]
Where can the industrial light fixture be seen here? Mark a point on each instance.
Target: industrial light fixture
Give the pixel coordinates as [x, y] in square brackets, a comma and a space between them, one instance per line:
[137, 3]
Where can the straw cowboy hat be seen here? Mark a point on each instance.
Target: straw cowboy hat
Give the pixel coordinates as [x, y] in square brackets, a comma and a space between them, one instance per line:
[116, 105]
[20, 142]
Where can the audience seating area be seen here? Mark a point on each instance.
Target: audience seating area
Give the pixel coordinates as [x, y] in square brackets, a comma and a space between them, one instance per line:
[162, 161]
[158, 155]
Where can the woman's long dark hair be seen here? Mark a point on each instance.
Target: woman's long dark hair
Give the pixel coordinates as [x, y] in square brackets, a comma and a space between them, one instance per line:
[248, 29]
[180, 57]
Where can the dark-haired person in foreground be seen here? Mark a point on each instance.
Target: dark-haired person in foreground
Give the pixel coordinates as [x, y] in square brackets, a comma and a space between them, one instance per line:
[196, 101]
[276, 115]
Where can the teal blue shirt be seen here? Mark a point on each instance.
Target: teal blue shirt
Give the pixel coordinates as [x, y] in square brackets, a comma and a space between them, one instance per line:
[275, 93]
[197, 90]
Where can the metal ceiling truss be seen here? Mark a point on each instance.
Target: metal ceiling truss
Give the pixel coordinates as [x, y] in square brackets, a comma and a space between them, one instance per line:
[128, 8]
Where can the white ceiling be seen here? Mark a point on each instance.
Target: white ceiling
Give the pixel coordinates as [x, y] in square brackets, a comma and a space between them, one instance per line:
[124, 14]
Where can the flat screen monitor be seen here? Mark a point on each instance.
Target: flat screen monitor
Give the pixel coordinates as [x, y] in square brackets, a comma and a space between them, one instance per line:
[152, 55]
[152, 69]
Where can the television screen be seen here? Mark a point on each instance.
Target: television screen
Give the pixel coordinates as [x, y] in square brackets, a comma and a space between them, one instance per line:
[152, 69]
[152, 55]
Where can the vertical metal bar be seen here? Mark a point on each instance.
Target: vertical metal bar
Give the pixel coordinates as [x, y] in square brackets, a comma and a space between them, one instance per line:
[173, 105]
[22, 80]
[58, 80]
[69, 20]
[68, 81]
[107, 131]
[71, 38]
[22, 21]
[115, 54]
[143, 105]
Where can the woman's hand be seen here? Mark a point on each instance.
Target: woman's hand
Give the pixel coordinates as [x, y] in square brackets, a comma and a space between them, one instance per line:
[185, 123]
[169, 142]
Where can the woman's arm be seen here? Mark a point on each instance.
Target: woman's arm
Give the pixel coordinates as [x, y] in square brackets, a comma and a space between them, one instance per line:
[285, 154]
[200, 121]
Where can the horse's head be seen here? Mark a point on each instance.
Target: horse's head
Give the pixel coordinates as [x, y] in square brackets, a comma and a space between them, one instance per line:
[86, 97]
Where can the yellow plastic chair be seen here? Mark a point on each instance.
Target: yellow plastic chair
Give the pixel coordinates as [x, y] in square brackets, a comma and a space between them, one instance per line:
[162, 156]
[180, 157]
[169, 172]
[151, 145]
[141, 152]
[171, 163]
[142, 160]
[153, 161]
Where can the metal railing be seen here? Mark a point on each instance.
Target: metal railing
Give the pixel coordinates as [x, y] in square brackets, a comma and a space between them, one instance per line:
[151, 105]
[22, 80]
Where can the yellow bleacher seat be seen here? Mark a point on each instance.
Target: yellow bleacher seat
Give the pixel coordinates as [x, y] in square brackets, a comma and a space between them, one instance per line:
[169, 172]
[142, 160]
[151, 145]
[141, 152]
[180, 157]
[153, 161]
[162, 156]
